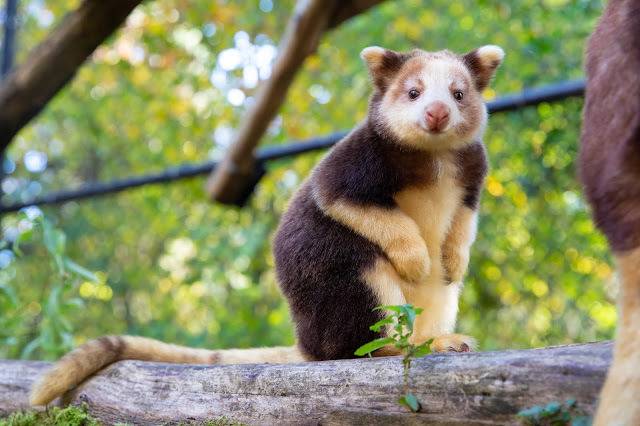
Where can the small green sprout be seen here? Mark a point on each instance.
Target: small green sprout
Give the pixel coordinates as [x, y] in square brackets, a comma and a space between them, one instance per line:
[399, 325]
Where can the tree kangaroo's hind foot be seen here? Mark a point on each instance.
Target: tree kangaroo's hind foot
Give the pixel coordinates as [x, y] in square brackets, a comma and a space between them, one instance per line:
[453, 343]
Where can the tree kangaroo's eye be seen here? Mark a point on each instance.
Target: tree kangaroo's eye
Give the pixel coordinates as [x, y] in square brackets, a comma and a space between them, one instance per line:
[458, 95]
[413, 94]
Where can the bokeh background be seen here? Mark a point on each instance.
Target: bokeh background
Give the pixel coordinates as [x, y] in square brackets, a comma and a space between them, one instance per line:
[172, 86]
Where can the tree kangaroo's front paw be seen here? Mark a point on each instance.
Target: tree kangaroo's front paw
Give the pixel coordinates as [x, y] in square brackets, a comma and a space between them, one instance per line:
[453, 343]
[411, 260]
[455, 264]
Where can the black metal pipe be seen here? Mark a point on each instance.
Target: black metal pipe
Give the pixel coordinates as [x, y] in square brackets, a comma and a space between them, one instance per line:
[528, 97]
[276, 152]
[550, 93]
[8, 45]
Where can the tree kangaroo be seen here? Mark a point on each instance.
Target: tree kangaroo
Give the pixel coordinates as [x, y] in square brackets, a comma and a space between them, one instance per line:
[387, 217]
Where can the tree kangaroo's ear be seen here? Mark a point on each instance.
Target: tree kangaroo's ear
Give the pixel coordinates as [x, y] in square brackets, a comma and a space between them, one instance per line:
[482, 63]
[383, 64]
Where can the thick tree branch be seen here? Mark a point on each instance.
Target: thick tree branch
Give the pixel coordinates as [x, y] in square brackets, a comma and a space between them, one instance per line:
[348, 9]
[26, 91]
[234, 179]
[466, 389]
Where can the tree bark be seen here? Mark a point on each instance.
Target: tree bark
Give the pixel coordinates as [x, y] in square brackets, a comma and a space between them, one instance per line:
[26, 91]
[453, 389]
[349, 9]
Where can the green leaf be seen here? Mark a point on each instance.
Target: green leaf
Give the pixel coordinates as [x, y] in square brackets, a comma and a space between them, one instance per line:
[552, 408]
[75, 302]
[410, 313]
[532, 413]
[423, 349]
[410, 401]
[30, 347]
[581, 421]
[564, 418]
[53, 302]
[81, 271]
[55, 241]
[65, 324]
[22, 237]
[392, 308]
[10, 295]
[380, 324]
[373, 345]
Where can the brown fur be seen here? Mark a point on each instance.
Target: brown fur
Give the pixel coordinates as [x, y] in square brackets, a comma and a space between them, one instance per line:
[367, 228]
[610, 152]
[385, 65]
[610, 171]
[481, 69]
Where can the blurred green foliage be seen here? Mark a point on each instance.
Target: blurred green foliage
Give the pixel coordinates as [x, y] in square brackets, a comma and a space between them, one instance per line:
[170, 87]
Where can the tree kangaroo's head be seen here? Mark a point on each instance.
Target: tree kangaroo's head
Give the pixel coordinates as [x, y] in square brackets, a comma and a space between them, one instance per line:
[430, 100]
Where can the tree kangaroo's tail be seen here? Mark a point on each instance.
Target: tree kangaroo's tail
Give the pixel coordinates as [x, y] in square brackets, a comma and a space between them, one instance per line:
[87, 359]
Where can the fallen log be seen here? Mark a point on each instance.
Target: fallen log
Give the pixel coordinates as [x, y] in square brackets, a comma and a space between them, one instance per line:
[454, 389]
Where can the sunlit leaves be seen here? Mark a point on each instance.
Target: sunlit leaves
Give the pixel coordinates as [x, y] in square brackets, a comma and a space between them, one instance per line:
[152, 97]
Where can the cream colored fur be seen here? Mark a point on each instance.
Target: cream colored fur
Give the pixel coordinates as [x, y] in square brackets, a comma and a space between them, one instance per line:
[433, 209]
[428, 212]
[440, 303]
[373, 55]
[87, 359]
[439, 76]
[272, 355]
[391, 229]
[457, 245]
[619, 398]
[490, 54]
